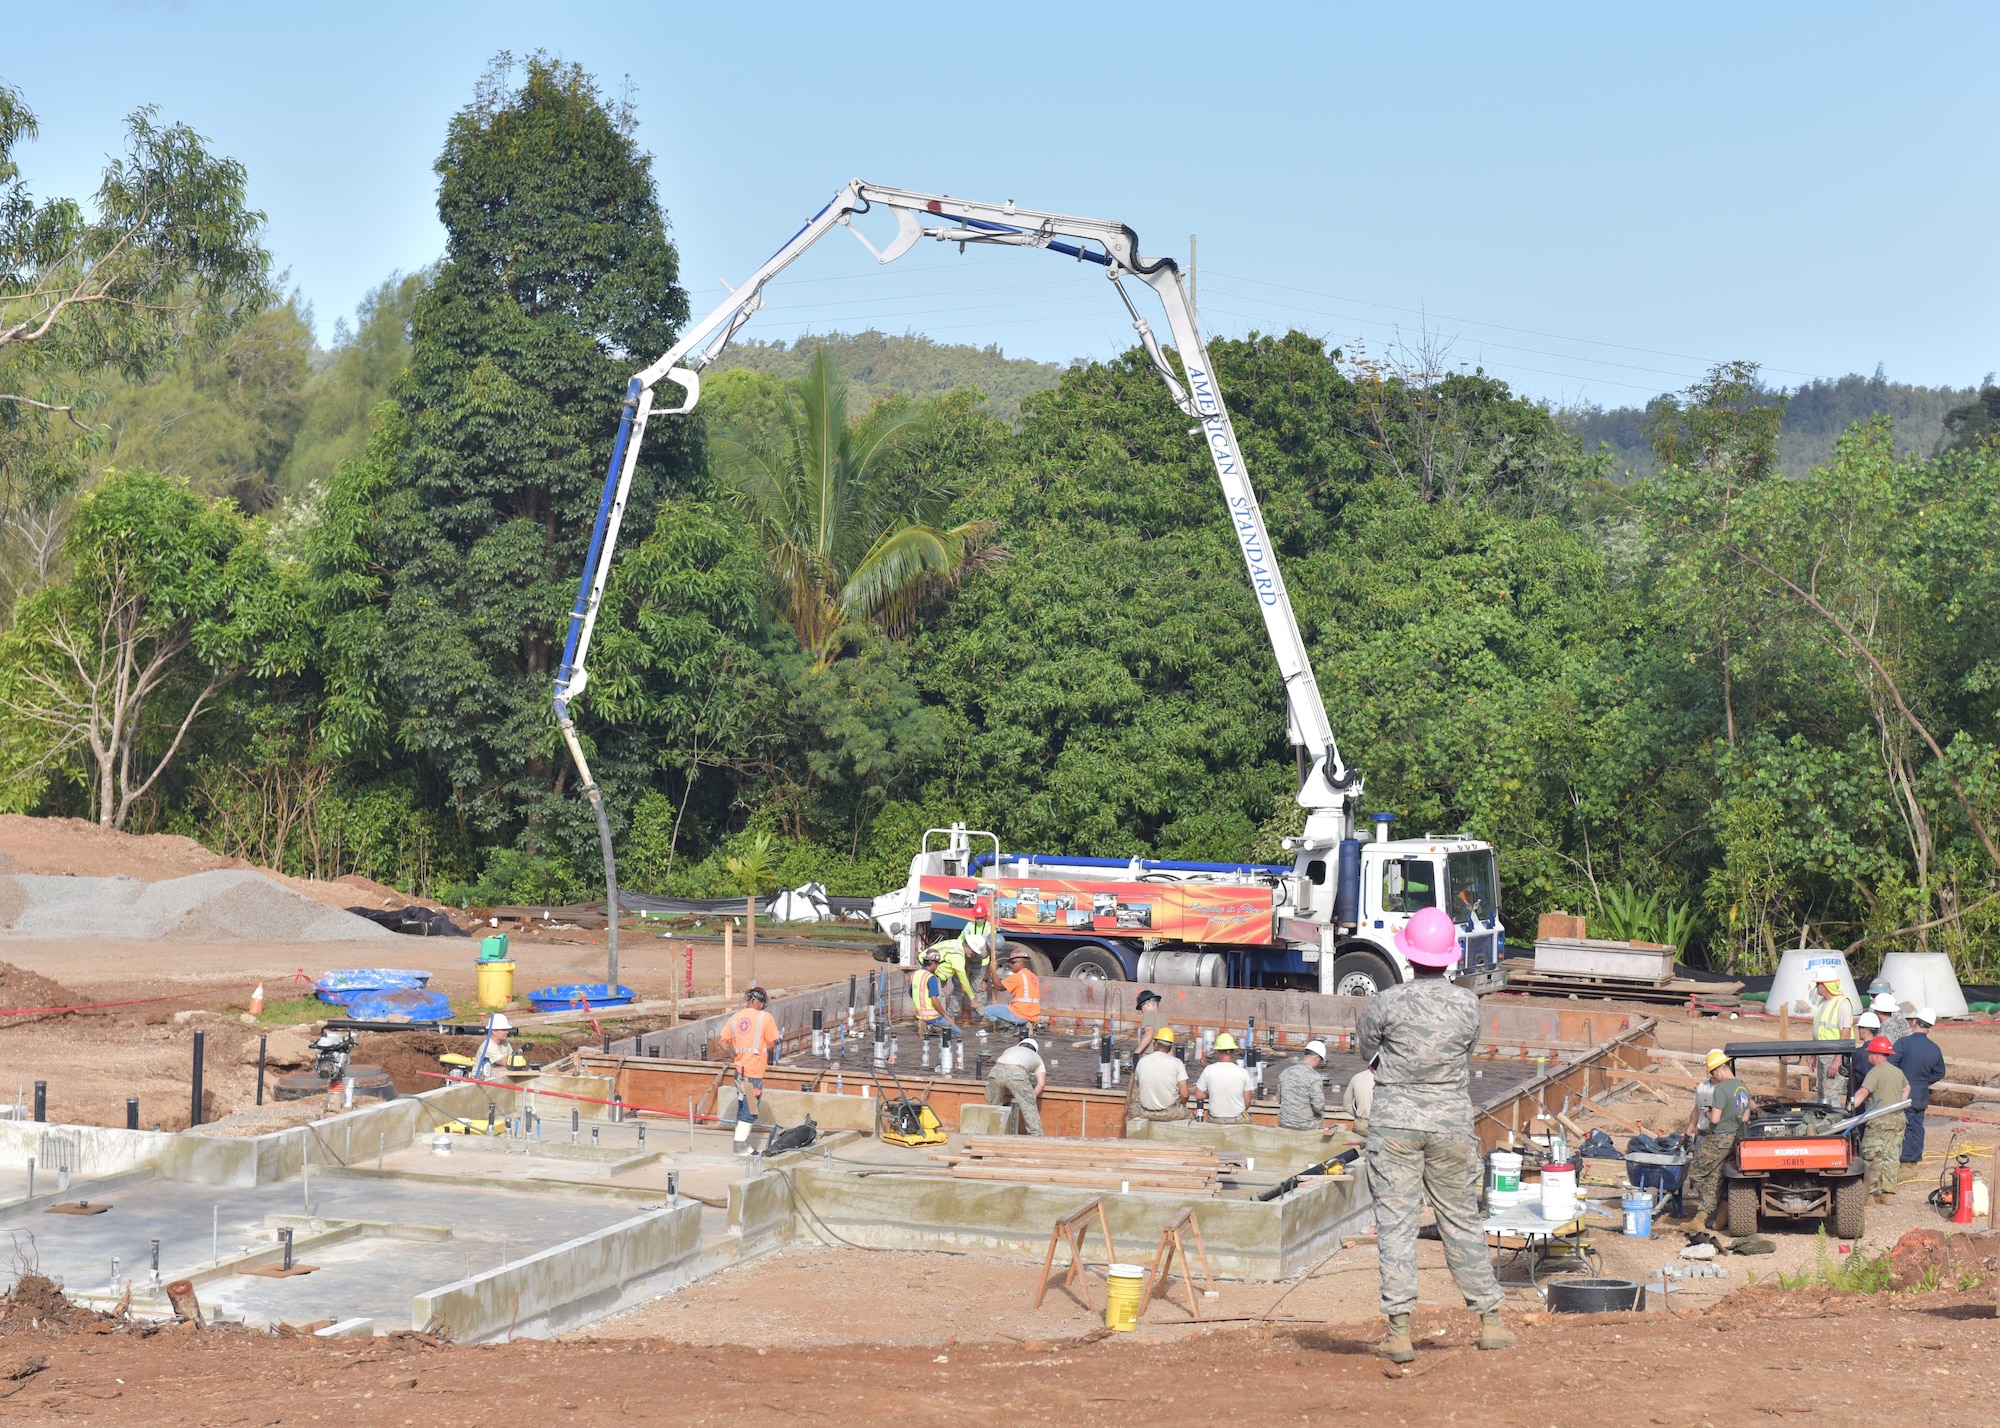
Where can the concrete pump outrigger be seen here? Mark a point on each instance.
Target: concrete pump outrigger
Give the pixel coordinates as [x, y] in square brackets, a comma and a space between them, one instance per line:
[1328, 789]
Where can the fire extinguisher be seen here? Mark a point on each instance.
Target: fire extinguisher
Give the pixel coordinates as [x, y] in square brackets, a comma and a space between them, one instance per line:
[1961, 1191]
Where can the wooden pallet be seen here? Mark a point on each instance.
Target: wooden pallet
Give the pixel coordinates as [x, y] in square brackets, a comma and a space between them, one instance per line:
[1522, 976]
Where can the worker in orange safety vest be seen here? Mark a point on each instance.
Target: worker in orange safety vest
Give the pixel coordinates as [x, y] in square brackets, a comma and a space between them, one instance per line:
[1023, 1006]
[750, 1034]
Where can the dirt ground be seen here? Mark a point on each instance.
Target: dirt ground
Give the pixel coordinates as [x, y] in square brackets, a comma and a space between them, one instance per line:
[1762, 1354]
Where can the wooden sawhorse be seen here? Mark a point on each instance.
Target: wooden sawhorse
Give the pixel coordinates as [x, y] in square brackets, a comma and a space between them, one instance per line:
[1071, 1229]
[1163, 1262]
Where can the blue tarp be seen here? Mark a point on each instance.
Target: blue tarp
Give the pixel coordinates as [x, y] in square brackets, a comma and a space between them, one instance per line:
[595, 994]
[409, 1004]
[339, 987]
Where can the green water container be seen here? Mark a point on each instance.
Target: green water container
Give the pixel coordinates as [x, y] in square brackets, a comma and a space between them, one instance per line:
[493, 949]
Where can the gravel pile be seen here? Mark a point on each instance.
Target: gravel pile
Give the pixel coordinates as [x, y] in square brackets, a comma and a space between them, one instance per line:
[229, 903]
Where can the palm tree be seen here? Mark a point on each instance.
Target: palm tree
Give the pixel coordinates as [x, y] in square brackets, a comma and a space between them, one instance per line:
[846, 541]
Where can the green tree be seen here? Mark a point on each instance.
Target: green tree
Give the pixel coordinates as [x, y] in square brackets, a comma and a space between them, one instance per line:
[222, 418]
[166, 256]
[462, 533]
[845, 545]
[341, 398]
[107, 671]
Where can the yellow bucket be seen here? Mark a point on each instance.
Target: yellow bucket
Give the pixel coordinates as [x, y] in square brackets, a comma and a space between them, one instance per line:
[496, 984]
[1123, 1288]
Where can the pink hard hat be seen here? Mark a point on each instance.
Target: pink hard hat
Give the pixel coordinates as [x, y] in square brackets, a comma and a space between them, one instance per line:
[1429, 940]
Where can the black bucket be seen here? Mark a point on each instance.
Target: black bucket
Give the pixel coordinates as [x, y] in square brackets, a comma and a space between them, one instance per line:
[1595, 1296]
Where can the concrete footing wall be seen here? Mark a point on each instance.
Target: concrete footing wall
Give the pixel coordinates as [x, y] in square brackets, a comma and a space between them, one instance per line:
[570, 1284]
[1246, 1239]
[102, 1151]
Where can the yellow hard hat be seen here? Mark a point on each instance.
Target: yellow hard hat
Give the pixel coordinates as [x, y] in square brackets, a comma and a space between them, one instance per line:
[1166, 1034]
[1225, 1042]
[1717, 1058]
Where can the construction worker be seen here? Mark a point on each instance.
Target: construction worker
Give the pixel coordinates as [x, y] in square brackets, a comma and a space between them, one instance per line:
[1920, 1061]
[1018, 1077]
[1895, 1025]
[1159, 1082]
[927, 993]
[749, 1035]
[1833, 1020]
[1867, 1027]
[1886, 1085]
[1359, 1096]
[1023, 1006]
[1225, 1088]
[495, 1052]
[1716, 1128]
[1151, 1020]
[951, 969]
[1420, 1140]
[980, 938]
[1302, 1092]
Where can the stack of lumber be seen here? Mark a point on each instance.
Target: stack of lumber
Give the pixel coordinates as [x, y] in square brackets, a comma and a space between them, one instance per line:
[1089, 1164]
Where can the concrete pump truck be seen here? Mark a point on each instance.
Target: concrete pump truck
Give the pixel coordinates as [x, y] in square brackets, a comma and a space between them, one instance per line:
[1326, 921]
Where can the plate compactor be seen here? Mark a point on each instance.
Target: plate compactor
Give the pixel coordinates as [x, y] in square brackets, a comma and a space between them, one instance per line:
[905, 1120]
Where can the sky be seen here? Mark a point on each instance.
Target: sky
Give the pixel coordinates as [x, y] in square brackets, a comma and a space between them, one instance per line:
[1593, 202]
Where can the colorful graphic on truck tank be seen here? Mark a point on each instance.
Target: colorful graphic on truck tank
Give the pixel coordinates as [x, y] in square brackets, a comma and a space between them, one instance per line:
[1231, 914]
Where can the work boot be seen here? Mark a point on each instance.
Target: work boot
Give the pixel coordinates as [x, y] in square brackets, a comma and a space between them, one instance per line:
[1397, 1348]
[1493, 1333]
[743, 1137]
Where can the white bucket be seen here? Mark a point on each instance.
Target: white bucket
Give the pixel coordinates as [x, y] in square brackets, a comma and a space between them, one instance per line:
[1503, 1181]
[1559, 1193]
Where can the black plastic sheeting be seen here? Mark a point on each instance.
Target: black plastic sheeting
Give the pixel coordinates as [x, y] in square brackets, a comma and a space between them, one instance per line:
[722, 906]
[412, 921]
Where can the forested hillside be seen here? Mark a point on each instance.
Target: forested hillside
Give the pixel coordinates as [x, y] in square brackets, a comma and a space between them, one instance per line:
[907, 366]
[915, 584]
[1816, 415]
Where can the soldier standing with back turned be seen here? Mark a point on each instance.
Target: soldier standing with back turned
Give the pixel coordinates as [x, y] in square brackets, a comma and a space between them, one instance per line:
[1420, 1140]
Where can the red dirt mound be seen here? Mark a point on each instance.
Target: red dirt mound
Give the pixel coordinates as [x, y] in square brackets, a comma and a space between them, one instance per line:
[1946, 1261]
[22, 988]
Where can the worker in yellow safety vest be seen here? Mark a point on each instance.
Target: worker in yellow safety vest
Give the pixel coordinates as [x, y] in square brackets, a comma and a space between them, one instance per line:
[1833, 1020]
[927, 993]
[951, 967]
[1023, 1006]
[980, 939]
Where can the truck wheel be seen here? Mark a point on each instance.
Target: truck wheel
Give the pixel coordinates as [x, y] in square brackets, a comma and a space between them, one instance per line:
[1742, 1207]
[1093, 964]
[1361, 974]
[1850, 1210]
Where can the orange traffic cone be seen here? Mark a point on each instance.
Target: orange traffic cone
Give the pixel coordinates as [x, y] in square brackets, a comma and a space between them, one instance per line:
[257, 1001]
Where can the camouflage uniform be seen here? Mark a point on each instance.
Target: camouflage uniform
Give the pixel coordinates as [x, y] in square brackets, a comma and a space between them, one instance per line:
[1711, 1152]
[1420, 1141]
[1301, 1098]
[1882, 1140]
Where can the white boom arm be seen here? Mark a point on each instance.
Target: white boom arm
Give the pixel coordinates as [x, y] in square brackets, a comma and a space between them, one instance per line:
[1328, 785]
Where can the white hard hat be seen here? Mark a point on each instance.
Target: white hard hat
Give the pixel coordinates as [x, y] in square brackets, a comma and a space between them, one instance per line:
[1316, 1047]
[499, 1023]
[1926, 1015]
[1883, 1003]
[1868, 1019]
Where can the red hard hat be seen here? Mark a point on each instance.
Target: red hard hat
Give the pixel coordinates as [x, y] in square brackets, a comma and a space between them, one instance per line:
[1881, 1045]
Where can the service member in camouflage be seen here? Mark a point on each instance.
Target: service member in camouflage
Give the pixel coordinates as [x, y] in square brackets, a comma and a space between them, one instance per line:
[1882, 1141]
[1301, 1092]
[1420, 1140]
[1717, 1126]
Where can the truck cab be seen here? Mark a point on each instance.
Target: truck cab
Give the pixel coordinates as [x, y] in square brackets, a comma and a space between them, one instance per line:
[1327, 922]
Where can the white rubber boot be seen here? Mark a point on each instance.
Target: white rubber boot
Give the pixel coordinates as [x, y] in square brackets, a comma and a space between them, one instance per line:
[743, 1137]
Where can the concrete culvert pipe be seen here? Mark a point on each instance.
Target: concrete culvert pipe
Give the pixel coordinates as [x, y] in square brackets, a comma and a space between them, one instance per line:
[1595, 1296]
